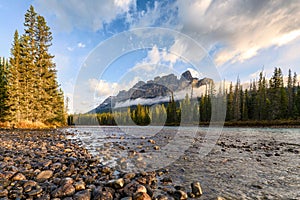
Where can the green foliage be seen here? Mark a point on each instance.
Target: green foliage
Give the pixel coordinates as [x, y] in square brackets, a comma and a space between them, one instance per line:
[173, 114]
[32, 92]
[3, 88]
[244, 107]
[140, 115]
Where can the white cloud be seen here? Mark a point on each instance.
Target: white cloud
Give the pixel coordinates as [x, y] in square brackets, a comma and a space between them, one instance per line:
[70, 48]
[244, 27]
[88, 14]
[155, 58]
[103, 88]
[123, 5]
[286, 38]
[80, 45]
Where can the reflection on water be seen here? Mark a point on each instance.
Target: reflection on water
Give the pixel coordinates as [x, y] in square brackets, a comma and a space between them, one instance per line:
[244, 162]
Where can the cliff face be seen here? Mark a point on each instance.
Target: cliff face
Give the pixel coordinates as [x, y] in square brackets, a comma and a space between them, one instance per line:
[159, 87]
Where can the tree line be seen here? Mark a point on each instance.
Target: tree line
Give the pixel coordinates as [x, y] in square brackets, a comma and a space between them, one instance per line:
[264, 100]
[29, 89]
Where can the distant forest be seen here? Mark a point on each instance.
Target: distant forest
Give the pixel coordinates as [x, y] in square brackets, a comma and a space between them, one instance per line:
[264, 102]
[29, 93]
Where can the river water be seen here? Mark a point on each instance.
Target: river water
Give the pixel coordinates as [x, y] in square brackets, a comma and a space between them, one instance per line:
[235, 163]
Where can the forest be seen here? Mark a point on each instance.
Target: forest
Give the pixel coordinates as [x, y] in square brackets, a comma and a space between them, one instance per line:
[30, 96]
[273, 101]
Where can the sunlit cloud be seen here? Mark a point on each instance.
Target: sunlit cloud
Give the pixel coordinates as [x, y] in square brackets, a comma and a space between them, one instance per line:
[80, 45]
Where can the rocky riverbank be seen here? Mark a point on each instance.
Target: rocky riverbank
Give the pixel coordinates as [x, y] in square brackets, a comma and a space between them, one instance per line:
[46, 165]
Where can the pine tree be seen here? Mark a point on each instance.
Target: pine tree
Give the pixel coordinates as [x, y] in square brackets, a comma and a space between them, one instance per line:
[14, 83]
[29, 51]
[297, 101]
[186, 110]
[295, 109]
[283, 104]
[236, 101]
[3, 88]
[230, 104]
[253, 108]
[172, 111]
[33, 91]
[245, 104]
[262, 97]
[50, 96]
[276, 85]
[290, 91]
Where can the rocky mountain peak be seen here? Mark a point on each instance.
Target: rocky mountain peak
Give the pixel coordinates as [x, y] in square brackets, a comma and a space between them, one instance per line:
[156, 88]
[186, 76]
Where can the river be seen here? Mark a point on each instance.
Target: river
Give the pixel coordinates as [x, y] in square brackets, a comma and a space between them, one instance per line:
[236, 163]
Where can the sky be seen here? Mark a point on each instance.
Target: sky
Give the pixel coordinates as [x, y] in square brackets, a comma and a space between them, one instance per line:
[104, 46]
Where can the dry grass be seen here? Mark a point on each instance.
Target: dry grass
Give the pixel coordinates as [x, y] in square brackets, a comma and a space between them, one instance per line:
[26, 125]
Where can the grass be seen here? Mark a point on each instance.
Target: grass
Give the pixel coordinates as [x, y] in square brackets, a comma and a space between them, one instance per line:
[265, 123]
[27, 125]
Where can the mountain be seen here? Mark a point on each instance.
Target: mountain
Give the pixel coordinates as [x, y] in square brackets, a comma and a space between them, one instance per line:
[151, 92]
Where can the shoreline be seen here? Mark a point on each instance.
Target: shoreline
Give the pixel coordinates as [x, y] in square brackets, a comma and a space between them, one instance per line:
[44, 164]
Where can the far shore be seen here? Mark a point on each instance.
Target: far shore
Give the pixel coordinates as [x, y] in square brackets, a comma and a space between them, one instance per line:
[227, 124]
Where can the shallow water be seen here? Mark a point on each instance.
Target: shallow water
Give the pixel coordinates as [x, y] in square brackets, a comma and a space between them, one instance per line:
[240, 163]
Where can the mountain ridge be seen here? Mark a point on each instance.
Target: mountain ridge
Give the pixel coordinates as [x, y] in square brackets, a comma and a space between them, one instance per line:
[160, 88]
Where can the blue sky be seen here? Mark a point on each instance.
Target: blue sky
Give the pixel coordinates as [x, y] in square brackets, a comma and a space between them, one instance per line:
[240, 38]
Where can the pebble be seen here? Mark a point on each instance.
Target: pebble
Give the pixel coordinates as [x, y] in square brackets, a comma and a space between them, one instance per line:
[156, 148]
[44, 175]
[82, 195]
[98, 194]
[117, 184]
[3, 193]
[18, 177]
[141, 196]
[80, 185]
[196, 189]
[45, 165]
[180, 195]
[64, 191]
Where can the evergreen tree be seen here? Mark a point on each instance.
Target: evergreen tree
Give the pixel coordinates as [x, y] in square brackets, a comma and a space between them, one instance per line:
[262, 97]
[14, 82]
[230, 104]
[284, 110]
[237, 101]
[186, 110]
[290, 95]
[33, 91]
[297, 101]
[245, 104]
[276, 85]
[3, 88]
[50, 95]
[172, 117]
[294, 96]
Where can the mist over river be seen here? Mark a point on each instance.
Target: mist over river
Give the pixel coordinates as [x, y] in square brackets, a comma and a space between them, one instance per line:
[244, 163]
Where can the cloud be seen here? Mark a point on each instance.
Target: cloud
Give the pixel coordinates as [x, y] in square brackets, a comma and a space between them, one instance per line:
[70, 48]
[286, 38]
[156, 57]
[243, 28]
[103, 88]
[80, 45]
[88, 14]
